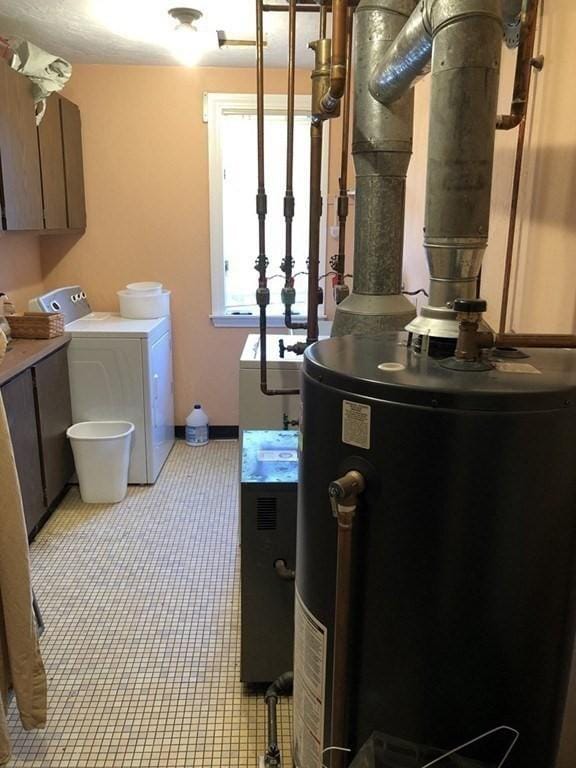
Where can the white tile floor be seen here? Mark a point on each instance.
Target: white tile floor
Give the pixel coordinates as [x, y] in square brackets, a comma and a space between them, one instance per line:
[141, 605]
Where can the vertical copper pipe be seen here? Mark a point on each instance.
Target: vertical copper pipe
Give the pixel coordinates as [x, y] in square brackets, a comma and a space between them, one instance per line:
[316, 131]
[261, 202]
[344, 494]
[263, 292]
[512, 227]
[343, 181]
[287, 265]
[337, 86]
[519, 110]
[323, 21]
[341, 642]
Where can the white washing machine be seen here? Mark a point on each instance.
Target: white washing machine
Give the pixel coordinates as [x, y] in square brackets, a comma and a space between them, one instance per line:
[120, 369]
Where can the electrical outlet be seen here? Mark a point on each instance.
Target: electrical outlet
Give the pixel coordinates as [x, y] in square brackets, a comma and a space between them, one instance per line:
[334, 232]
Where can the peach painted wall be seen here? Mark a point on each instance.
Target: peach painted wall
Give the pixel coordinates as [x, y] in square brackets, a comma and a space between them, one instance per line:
[20, 268]
[146, 172]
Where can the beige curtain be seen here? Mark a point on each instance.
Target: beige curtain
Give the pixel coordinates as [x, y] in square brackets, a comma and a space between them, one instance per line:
[21, 667]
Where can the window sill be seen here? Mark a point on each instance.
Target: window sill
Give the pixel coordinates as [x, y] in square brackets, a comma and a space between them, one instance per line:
[253, 321]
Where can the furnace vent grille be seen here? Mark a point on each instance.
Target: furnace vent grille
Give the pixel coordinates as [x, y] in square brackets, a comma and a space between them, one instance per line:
[266, 513]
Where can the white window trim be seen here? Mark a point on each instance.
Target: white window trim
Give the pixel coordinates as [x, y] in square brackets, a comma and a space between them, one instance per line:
[215, 105]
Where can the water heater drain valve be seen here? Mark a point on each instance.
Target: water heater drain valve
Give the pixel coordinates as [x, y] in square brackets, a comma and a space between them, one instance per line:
[344, 494]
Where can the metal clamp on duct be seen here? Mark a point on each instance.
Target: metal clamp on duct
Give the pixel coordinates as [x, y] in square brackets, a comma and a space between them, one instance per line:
[465, 38]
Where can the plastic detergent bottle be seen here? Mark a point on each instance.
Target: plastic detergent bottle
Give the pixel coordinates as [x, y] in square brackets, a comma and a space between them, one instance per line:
[197, 426]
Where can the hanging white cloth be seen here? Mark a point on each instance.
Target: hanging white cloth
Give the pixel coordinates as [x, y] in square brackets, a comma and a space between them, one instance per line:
[47, 72]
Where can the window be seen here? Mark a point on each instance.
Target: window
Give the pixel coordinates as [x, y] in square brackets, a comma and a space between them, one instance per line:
[233, 221]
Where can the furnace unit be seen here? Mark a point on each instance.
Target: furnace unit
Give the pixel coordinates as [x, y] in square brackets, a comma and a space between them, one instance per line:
[268, 546]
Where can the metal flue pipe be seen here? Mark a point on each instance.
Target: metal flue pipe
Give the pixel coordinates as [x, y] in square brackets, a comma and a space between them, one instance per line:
[381, 146]
[467, 43]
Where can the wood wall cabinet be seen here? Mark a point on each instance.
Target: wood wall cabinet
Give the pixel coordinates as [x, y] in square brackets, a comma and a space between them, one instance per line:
[52, 166]
[38, 410]
[73, 164]
[41, 169]
[20, 184]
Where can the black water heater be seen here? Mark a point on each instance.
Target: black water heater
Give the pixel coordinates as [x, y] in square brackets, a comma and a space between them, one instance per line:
[464, 547]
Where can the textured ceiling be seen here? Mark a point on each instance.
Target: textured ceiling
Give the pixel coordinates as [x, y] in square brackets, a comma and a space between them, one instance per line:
[141, 32]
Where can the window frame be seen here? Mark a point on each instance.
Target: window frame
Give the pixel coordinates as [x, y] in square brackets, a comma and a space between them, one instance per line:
[216, 105]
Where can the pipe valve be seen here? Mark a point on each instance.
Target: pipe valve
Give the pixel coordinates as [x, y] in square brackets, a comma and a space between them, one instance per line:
[344, 493]
[298, 348]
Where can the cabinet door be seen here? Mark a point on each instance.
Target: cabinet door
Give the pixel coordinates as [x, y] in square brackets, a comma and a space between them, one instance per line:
[20, 190]
[18, 395]
[73, 164]
[52, 166]
[54, 418]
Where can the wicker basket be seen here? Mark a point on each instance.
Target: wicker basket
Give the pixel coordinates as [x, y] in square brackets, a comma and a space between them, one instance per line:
[36, 325]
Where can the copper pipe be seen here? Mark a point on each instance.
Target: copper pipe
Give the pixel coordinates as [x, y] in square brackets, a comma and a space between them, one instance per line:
[541, 340]
[316, 131]
[263, 292]
[284, 8]
[523, 70]
[323, 21]
[289, 294]
[331, 99]
[512, 226]
[261, 202]
[521, 100]
[344, 494]
[343, 181]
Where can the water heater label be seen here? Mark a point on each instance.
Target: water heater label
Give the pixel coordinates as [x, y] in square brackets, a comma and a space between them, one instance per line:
[356, 424]
[310, 649]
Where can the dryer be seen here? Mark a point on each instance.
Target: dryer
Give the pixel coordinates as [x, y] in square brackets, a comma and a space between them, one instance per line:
[120, 369]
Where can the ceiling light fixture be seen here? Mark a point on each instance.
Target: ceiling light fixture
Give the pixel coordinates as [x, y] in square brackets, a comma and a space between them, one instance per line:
[185, 43]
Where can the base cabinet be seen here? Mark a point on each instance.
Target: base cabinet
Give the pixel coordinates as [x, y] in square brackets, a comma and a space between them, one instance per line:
[37, 403]
[18, 396]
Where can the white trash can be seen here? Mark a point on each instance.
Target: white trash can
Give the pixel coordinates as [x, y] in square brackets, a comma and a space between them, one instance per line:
[102, 457]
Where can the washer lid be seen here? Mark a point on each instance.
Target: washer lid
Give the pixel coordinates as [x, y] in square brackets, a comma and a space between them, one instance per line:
[111, 325]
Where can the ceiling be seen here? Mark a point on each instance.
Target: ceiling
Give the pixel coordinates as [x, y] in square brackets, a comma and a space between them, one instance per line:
[141, 31]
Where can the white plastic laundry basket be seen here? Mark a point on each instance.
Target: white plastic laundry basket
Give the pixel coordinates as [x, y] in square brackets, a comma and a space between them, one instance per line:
[102, 457]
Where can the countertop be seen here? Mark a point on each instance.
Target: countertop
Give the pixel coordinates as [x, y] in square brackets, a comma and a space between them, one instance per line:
[24, 353]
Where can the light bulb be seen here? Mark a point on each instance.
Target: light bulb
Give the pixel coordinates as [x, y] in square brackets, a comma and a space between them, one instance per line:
[185, 40]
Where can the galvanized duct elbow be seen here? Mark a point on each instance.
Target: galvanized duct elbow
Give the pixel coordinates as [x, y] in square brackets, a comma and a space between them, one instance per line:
[381, 146]
[407, 59]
